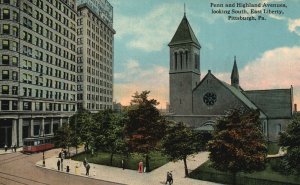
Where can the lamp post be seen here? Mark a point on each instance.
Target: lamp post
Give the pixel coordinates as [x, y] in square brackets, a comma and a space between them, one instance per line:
[43, 135]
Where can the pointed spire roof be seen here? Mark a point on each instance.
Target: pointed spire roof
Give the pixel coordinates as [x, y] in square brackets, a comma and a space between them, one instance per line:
[184, 34]
[235, 74]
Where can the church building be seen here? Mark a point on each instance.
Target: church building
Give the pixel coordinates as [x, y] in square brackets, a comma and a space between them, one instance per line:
[198, 102]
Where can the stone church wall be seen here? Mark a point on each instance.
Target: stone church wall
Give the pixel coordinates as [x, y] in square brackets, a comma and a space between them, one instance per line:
[224, 101]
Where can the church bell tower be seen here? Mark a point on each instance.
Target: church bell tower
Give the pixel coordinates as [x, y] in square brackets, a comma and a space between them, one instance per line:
[184, 74]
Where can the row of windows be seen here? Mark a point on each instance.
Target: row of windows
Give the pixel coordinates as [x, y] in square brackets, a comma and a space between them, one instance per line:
[40, 81]
[38, 93]
[38, 106]
[182, 57]
[94, 106]
[6, 76]
[9, 45]
[7, 29]
[9, 60]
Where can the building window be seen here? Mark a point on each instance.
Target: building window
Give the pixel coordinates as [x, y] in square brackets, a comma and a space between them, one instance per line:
[26, 105]
[5, 89]
[5, 29]
[6, 14]
[5, 75]
[14, 105]
[5, 59]
[14, 75]
[278, 128]
[14, 61]
[36, 130]
[5, 44]
[15, 16]
[15, 90]
[15, 31]
[4, 105]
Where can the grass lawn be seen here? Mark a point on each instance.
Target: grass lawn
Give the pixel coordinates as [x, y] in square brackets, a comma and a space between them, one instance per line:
[265, 177]
[156, 160]
[273, 148]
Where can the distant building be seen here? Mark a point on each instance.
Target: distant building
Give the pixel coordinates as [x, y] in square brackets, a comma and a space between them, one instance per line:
[199, 102]
[117, 107]
[95, 55]
[38, 67]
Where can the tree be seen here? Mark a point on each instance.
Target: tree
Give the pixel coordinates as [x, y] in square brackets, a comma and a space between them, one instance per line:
[110, 136]
[145, 127]
[179, 143]
[291, 140]
[82, 124]
[238, 143]
[63, 136]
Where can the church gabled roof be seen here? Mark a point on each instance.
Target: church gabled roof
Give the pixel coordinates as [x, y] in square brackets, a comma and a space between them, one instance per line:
[237, 93]
[276, 103]
[184, 34]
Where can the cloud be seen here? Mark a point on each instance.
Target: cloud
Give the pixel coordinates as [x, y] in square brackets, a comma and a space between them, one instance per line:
[277, 68]
[294, 25]
[154, 79]
[152, 31]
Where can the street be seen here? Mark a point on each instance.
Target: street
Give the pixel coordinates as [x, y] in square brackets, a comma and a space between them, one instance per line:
[18, 168]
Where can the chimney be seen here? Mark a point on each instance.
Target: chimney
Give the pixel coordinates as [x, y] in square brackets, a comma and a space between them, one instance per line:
[295, 107]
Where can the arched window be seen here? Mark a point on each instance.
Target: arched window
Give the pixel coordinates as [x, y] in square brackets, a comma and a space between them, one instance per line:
[186, 59]
[181, 59]
[278, 128]
[175, 55]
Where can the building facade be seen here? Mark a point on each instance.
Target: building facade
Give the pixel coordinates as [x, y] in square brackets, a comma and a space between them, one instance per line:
[38, 67]
[199, 102]
[95, 56]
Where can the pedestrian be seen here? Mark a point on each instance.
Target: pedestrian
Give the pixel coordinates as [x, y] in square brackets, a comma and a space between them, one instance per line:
[65, 153]
[5, 148]
[62, 164]
[58, 164]
[169, 178]
[68, 169]
[84, 162]
[141, 166]
[15, 148]
[122, 164]
[87, 167]
[12, 148]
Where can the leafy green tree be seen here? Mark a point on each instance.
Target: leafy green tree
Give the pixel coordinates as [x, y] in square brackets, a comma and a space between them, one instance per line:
[238, 143]
[291, 140]
[145, 127]
[179, 143]
[110, 137]
[63, 136]
[82, 123]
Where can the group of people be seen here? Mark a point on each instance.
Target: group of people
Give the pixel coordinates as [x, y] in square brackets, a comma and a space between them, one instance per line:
[13, 148]
[60, 162]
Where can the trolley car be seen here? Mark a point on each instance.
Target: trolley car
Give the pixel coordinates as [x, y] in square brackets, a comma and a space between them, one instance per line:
[32, 145]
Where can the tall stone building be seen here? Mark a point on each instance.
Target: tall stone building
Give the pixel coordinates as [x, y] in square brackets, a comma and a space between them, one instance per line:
[95, 55]
[199, 103]
[38, 67]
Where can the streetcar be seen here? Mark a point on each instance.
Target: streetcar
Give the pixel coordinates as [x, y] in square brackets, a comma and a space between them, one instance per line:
[32, 145]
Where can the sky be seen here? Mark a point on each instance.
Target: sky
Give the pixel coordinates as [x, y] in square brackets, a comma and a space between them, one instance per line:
[267, 51]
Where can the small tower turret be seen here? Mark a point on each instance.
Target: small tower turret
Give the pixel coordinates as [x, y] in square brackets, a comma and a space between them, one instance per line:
[235, 75]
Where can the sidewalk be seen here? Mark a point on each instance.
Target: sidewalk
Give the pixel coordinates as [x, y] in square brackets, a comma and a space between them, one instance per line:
[132, 177]
[9, 151]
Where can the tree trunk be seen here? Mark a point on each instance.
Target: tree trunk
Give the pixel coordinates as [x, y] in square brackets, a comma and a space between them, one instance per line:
[147, 163]
[69, 151]
[185, 168]
[111, 158]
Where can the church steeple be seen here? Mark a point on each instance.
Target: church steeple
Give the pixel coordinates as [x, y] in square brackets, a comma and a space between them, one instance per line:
[235, 75]
[184, 34]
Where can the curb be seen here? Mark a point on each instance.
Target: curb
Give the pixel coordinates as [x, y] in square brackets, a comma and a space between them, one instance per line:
[89, 177]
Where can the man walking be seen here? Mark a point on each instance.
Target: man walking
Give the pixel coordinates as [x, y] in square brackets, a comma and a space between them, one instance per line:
[58, 164]
[87, 167]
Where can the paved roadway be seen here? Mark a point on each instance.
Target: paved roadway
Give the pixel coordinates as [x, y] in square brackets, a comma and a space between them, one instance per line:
[20, 169]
